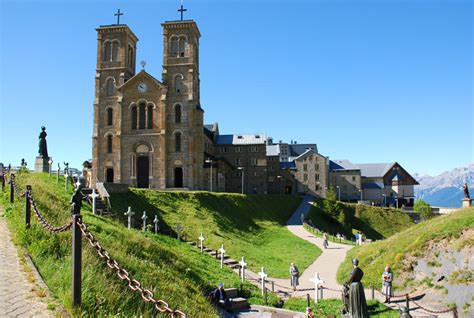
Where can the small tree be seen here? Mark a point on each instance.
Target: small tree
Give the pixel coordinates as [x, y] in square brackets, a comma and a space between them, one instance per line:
[424, 209]
[330, 205]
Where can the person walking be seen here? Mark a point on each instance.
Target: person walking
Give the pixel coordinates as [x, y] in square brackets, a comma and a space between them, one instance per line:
[387, 278]
[294, 276]
[325, 240]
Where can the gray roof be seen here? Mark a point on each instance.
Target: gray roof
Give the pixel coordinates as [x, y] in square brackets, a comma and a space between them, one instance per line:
[298, 149]
[342, 164]
[273, 150]
[242, 139]
[374, 170]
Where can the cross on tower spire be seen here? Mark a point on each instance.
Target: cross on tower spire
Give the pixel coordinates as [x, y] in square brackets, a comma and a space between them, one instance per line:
[182, 10]
[118, 14]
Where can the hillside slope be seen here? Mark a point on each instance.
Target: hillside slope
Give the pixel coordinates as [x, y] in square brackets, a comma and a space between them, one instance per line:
[374, 222]
[176, 272]
[248, 225]
[434, 255]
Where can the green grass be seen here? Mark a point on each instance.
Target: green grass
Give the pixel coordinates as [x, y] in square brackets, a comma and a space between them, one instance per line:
[332, 307]
[175, 271]
[374, 222]
[253, 226]
[410, 243]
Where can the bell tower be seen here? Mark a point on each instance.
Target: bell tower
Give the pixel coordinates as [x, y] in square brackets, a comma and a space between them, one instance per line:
[184, 118]
[116, 51]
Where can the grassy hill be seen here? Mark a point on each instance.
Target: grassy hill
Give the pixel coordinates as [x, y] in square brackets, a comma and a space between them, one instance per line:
[404, 249]
[176, 272]
[248, 225]
[374, 222]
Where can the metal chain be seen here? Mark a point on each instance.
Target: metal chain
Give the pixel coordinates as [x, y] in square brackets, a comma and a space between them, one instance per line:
[436, 311]
[15, 186]
[146, 294]
[43, 221]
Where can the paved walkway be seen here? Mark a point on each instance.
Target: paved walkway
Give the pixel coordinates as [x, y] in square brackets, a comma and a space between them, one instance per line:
[17, 297]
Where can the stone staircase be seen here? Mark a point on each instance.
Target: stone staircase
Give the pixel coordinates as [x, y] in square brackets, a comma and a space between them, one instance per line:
[100, 205]
[237, 302]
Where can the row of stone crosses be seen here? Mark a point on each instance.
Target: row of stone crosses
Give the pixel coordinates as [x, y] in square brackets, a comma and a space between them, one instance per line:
[262, 274]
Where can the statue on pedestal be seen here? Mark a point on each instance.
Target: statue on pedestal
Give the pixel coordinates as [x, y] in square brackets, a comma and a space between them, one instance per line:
[43, 148]
[466, 191]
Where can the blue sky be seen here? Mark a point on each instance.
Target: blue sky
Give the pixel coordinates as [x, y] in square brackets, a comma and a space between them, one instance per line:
[368, 81]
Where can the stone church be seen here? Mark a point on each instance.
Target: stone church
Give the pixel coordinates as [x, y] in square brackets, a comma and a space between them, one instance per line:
[148, 133]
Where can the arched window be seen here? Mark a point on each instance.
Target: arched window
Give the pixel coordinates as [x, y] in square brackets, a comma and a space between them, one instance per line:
[182, 46]
[110, 116]
[150, 116]
[110, 87]
[130, 55]
[177, 114]
[107, 51]
[134, 117]
[141, 116]
[179, 85]
[174, 47]
[115, 51]
[177, 141]
[109, 143]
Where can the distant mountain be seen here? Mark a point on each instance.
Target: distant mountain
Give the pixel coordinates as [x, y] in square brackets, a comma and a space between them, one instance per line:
[446, 189]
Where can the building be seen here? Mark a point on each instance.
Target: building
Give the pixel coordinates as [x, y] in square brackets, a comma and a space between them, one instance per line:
[377, 183]
[150, 133]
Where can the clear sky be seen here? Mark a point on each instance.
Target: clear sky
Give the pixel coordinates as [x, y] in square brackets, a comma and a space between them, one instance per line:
[368, 81]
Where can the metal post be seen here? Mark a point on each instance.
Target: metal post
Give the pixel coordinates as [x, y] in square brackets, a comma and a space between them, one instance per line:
[373, 292]
[28, 207]
[76, 260]
[273, 286]
[12, 197]
[308, 301]
[217, 256]
[321, 292]
[407, 302]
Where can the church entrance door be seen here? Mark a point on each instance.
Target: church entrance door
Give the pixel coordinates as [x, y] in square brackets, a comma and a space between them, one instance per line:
[109, 175]
[142, 172]
[178, 177]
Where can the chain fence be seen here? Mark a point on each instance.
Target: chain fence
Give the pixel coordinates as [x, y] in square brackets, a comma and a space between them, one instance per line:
[146, 294]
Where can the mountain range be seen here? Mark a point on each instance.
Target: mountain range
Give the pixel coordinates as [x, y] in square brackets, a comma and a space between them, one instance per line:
[446, 189]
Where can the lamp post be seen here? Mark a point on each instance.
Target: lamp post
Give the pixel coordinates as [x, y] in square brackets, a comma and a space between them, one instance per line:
[279, 183]
[338, 193]
[384, 199]
[242, 169]
[209, 160]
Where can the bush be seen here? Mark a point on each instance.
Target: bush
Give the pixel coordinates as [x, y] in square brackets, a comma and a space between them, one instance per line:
[424, 209]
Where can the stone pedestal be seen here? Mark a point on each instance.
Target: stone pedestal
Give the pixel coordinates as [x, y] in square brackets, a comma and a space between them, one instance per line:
[41, 164]
[466, 203]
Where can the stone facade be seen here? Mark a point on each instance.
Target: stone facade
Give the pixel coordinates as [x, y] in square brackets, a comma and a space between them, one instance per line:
[148, 133]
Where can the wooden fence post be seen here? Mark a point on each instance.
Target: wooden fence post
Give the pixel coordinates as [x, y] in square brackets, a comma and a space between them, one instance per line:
[27, 207]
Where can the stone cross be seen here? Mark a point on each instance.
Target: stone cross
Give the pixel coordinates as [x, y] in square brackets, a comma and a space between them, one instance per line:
[179, 228]
[67, 180]
[201, 239]
[129, 214]
[93, 195]
[144, 217]
[50, 162]
[78, 183]
[263, 275]
[156, 221]
[317, 281]
[242, 266]
[222, 252]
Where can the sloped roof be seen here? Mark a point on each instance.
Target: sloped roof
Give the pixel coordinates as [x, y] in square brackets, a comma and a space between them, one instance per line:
[374, 170]
[287, 165]
[373, 185]
[342, 164]
[142, 74]
[298, 149]
[241, 139]
[273, 150]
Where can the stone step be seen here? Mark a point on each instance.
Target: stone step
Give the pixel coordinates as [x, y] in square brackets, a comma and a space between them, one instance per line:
[238, 303]
[230, 261]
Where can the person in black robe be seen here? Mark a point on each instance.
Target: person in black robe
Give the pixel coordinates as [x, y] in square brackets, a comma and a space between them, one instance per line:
[357, 302]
